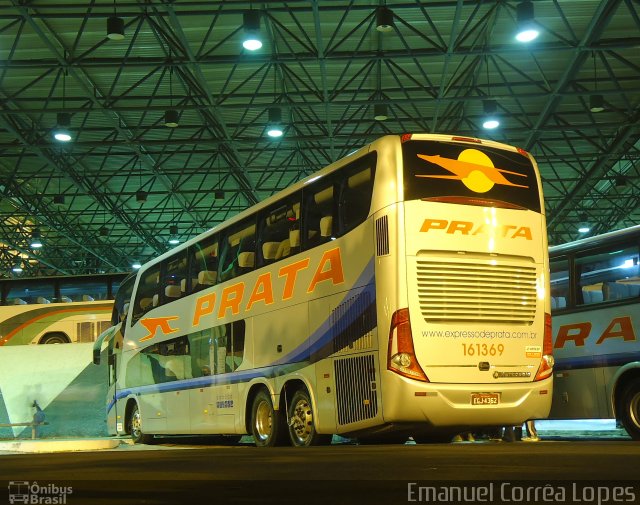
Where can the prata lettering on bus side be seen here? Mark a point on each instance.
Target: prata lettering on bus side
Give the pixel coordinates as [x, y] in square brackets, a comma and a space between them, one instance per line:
[329, 269]
[619, 327]
[470, 228]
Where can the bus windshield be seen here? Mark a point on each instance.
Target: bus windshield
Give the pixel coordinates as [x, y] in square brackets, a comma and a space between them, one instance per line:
[436, 169]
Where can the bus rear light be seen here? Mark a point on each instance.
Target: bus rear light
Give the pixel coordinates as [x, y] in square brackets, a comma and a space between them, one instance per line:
[401, 357]
[546, 362]
[466, 139]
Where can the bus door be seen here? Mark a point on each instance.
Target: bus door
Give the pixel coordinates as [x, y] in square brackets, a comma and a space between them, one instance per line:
[216, 354]
[110, 340]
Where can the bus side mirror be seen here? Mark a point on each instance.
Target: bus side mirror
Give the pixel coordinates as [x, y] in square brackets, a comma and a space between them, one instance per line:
[96, 356]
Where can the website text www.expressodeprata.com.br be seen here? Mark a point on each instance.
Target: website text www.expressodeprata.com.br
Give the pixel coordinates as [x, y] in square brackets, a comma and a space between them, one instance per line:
[486, 334]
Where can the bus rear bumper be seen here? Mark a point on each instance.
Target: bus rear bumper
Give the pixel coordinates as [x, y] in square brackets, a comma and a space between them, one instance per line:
[442, 405]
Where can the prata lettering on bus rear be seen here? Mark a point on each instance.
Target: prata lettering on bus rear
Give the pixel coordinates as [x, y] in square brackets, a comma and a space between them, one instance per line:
[578, 333]
[232, 297]
[471, 229]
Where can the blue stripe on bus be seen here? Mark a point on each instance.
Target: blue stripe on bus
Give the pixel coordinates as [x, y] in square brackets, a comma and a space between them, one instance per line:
[596, 361]
[316, 347]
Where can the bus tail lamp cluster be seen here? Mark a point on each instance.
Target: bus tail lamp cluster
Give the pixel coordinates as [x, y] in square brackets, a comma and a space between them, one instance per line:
[546, 363]
[401, 358]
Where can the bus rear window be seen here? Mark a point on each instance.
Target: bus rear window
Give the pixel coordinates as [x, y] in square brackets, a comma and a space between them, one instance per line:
[463, 172]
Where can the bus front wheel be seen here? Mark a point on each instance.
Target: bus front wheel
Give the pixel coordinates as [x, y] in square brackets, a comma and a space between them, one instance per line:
[267, 424]
[302, 428]
[630, 408]
[135, 428]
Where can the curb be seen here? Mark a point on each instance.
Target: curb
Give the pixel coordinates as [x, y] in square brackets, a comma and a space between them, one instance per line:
[42, 446]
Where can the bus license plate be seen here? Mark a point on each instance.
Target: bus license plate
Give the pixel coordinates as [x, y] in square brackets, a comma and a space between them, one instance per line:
[485, 398]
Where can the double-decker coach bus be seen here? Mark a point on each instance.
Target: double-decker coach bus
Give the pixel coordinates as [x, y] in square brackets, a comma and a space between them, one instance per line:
[401, 291]
[56, 310]
[595, 289]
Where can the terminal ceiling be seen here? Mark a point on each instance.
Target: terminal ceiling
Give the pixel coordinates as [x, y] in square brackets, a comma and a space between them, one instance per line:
[324, 64]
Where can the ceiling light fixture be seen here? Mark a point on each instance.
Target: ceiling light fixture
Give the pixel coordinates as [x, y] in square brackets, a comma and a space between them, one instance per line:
[173, 235]
[384, 19]
[583, 225]
[141, 196]
[17, 268]
[136, 265]
[103, 231]
[274, 127]
[527, 28]
[62, 132]
[491, 120]
[115, 25]
[36, 239]
[58, 199]
[380, 112]
[251, 25]
[171, 118]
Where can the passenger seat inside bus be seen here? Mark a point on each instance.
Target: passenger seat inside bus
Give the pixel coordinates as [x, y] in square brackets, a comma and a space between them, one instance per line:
[326, 225]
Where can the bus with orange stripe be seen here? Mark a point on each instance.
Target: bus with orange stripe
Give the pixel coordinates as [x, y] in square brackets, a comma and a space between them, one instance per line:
[399, 292]
[56, 310]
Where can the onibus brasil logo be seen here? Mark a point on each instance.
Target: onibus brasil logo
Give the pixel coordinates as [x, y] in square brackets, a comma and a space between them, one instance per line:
[22, 491]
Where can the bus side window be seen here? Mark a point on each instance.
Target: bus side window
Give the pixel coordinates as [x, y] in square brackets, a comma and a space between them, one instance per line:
[279, 233]
[559, 283]
[355, 194]
[237, 250]
[235, 355]
[148, 295]
[201, 349]
[318, 215]
[204, 266]
[609, 274]
[175, 277]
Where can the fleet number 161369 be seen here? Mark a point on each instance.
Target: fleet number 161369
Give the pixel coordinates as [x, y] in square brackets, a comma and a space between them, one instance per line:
[482, 349]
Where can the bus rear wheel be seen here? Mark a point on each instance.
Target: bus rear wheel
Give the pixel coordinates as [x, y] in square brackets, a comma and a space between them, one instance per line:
[267, 423]
[630, 408]
[135, 428]
[302, 428]
[54, 338]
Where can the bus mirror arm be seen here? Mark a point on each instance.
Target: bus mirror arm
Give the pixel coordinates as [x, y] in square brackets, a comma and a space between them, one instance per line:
[96, 356]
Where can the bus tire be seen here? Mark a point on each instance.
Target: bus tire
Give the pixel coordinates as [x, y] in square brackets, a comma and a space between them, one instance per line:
[267, 424]
[302, 428]
[630, 408]
[135, 428]
[54, 338]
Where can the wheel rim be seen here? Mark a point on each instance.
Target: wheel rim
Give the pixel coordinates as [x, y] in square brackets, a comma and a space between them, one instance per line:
[301, 422]
[263, 421]
[54, 340]
[136, 424]
[634, 409]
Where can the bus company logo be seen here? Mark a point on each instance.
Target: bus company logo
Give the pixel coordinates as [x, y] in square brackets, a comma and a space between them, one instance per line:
[510, 375]
[153, 324]
[474, 169]
[469, 228]
[22, 491]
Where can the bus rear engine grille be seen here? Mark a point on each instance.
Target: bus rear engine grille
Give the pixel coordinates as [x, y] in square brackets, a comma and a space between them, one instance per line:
[467, 292]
